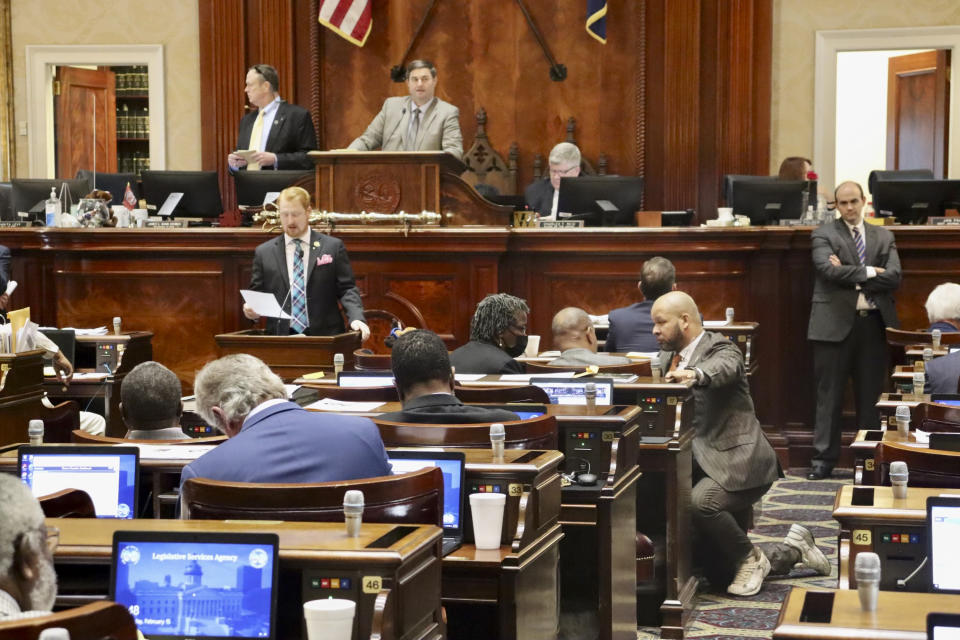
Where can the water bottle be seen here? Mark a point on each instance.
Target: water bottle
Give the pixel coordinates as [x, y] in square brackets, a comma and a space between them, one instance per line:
[53, 209]
[353, 512]
[35, 432]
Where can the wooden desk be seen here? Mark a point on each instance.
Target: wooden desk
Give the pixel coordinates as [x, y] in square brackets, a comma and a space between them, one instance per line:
[21, 394]
[864, 445]
[408, 600]
[879, 527]
[899, 616]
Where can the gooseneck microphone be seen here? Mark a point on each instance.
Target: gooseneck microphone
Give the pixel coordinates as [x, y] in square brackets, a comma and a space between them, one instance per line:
[403, 112]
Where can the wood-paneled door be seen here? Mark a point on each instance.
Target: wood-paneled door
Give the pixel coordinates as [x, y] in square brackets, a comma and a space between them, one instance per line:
[85, 96]
[918, 108]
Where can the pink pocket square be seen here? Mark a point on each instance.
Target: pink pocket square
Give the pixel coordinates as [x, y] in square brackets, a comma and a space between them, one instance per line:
[324, 259]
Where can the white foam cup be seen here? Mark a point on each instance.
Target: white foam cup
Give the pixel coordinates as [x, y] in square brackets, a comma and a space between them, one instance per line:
[533, 346]
[724, 213]
[487, 512]
[140, 215]
[329, 619]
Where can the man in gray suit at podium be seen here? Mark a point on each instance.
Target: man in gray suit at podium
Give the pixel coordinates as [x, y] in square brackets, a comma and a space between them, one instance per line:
[418, 122]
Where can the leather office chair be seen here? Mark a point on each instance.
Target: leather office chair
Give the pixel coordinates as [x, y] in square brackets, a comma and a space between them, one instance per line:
[63, 419]
[410, 498]
[68, 503]
[535, 433]
[500, 395]
[928, 467]
[636, 368]
[902, 338]
[365, 360]
[82, 437]
[99, 620]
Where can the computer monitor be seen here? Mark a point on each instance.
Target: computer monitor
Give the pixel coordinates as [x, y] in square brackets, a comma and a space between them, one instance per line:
[453, 466]
[574, 390]
[200, 189]
[253, 186]
[913, 201]
[28, 194]
[943, 531]
[943, 626]
[880, 175]
[181, 584]
[732, 179]
[600, 201]
[115, 183]
[108, 474]
[770, 202]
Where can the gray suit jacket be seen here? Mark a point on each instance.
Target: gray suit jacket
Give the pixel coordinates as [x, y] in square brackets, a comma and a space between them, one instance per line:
[584, 357]
[943, 373]
[728, 443]
[835, 288]
[439, 128]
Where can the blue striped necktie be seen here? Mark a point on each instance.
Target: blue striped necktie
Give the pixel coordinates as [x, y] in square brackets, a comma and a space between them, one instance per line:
[861, 248]
[298, 299]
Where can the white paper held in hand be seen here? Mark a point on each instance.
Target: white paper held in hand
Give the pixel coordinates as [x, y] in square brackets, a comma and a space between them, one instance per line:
[264, 304]
[11, 287]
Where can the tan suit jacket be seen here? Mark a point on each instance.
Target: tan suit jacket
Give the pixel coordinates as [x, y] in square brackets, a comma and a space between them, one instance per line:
[439, 128]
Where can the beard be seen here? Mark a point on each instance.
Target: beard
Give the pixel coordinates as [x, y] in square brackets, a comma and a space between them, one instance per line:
[44, 591]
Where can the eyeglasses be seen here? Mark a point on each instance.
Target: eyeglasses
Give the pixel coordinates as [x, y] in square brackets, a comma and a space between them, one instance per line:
[53, 538]
[562, 172]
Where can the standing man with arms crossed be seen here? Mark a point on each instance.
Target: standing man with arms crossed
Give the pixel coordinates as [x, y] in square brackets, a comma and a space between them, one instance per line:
[856, 269]
[280, 133]
[418, 122]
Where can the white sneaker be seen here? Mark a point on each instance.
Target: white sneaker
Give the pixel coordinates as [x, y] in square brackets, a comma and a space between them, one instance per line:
[810, 555]
[750, 575]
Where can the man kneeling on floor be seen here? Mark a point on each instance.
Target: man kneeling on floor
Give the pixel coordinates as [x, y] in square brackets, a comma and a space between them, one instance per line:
[734, 464]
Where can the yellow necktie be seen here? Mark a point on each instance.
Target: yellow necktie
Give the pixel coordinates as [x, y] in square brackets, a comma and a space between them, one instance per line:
[255, 134]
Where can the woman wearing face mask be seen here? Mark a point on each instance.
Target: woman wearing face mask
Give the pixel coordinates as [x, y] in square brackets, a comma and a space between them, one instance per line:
[498, 334]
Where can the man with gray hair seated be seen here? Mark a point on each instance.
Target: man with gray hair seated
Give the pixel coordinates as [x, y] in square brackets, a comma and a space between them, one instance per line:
[574, 336]
[28, 581]
[542, 195]
[150, 403]
[943, 307]
[272, 439]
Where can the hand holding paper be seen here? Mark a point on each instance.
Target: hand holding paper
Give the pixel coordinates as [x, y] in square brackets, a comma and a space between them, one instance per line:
[263, 304]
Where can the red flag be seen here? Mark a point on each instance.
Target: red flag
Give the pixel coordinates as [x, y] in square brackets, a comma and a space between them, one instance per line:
[129, 200]
[352, 19]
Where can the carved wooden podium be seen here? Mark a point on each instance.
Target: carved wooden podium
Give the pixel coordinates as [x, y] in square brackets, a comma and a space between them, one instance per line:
[21, 388]
[395, 181]
[292, 356]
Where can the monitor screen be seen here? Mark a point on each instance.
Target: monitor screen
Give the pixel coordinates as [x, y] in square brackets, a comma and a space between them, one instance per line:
[731, 179]
[107, 474]
[196, 585]
[252, 186]
[28, 194]
[452, 469]
[200, 189]
[364, 379]
[769, 202]
[589, 198]
[571, 391]
[943, 523]
[943, 626]
[913, 201]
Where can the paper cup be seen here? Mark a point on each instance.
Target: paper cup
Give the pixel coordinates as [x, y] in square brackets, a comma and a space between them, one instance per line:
[487, 512]
[122, 214]
[140, 215]
[533, 346]
[725, 213]
[329, 619]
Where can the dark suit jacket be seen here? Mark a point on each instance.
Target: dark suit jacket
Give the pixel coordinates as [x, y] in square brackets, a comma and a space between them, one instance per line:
[284, 443]
[631, 329]
[445, 408]
[728, 443]
[326, 284]
[291, 136]
[539, 196]
[834, 289]
[4, 267]
[483, 357]
[943, 374]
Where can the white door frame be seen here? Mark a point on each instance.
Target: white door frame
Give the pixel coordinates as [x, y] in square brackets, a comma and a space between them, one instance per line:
[829, 43]
[41, 60]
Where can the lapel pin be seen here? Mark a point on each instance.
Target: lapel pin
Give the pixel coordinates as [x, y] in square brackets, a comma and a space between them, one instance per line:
[316, 243]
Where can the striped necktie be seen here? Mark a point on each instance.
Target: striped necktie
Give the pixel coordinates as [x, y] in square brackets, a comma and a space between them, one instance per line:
[861, 248]
[298, 297]
[411, 144]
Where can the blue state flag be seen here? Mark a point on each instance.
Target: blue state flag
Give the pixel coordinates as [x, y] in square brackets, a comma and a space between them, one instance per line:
[597, 19]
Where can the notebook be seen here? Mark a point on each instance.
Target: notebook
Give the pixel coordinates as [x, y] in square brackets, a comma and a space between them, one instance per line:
[197, 584]
[453, 465]
[943, 626]
[943, 553]
[364, 379]
[108, 474]
[573, 390]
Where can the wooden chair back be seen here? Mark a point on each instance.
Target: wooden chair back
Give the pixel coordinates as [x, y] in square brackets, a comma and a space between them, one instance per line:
[928, 467]
[902, 338]
[358, 394]
[486, 166]
[96, 621]
[68, 503]
[637, 368]
[535, 433]
[364, 360]
[407, 498]
[500, 395]
[60, 421]
[81, 437]
[931, 416]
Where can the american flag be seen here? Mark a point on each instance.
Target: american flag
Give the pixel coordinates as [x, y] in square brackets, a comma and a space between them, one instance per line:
[352, 19]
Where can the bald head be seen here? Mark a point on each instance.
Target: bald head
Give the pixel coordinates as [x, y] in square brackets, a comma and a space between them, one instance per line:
[676, 320]
[572, 329]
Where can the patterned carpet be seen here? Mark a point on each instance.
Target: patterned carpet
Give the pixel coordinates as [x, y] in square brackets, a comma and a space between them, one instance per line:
[792, 499]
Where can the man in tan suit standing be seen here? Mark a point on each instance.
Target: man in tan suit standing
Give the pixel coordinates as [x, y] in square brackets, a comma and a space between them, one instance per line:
[418, 122]
[733, 463]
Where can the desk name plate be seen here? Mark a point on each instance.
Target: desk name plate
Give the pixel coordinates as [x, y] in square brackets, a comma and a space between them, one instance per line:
[559, 224]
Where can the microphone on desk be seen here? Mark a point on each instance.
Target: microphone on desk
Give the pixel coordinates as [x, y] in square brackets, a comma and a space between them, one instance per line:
[903, 421]
[497, 437]
[899, 474]
[655, 367]
[353, 512]
[867, 571]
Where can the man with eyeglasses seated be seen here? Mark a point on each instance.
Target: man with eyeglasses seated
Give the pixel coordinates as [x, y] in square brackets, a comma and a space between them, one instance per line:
[28, 581]
[542, 195]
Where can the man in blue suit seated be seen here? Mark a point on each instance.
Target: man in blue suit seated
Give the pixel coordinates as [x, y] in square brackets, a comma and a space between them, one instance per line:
[424, 379]
[272, 439]
[631, 327]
